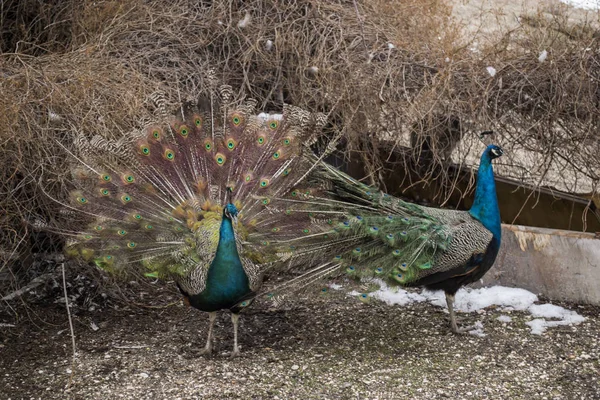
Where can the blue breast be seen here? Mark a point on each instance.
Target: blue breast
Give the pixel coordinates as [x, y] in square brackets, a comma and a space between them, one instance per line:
[226, 283]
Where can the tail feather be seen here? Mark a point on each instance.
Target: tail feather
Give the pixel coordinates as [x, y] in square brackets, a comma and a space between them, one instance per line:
[157, 194]
[368, 233]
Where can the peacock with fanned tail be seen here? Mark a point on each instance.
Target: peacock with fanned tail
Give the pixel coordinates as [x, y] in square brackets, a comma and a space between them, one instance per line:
[186, 197]
[369, 234]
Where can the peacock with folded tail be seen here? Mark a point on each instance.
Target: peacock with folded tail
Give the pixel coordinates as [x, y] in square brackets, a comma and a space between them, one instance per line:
[185, 197]
[352, 227]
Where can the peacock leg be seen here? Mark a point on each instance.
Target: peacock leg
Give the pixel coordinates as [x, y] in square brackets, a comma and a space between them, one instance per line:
[212, 316]
[453, 326]
[235, 318]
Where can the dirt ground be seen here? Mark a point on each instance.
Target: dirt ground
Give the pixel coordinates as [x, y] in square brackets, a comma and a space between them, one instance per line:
[320, 347]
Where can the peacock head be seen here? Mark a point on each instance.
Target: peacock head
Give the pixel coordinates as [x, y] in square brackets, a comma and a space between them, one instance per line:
[494, 151]
[230, 211]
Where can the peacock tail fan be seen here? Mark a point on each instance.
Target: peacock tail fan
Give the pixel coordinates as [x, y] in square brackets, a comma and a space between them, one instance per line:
[334, 224]
[157, 196]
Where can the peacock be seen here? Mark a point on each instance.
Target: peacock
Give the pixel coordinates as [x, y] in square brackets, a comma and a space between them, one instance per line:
[353, 227]
[186, 196]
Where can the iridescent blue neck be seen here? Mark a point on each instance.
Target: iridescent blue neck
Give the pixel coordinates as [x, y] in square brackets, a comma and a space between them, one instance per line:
[485, 207]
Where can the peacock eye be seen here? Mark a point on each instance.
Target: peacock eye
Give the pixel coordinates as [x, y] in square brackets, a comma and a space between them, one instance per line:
[208, 146]
[81, 200]
[286, 142]
[261, 140]
[198, 122]
[220, 158]
[236, 120]
[264, 183]
[276, 155]
[105, 192]
[273, 125]
[106, 178]
[145, 150]
[286, 172]
[169, 155]
[129, 179]
[183, 131]
[231, 144]
[131, 245]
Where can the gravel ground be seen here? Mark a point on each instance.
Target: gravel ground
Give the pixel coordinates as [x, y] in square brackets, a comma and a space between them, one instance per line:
[324, 346]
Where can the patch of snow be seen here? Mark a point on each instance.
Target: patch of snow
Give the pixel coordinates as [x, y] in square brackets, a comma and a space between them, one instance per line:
[396, 295]
[538, 326]
[391, 295]
[543, 56]
[584, 4]
[335, 286]
[478, 331]
[504, 318]
[491, 71]
[265, 116]
[564, 316]
[470, 300]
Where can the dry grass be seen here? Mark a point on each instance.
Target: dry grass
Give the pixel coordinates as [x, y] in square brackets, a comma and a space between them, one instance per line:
[382, 69]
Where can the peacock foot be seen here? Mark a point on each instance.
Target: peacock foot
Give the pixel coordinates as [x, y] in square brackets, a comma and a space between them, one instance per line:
[463, 330]
[207, 351]
[194, 352]
[235, 352]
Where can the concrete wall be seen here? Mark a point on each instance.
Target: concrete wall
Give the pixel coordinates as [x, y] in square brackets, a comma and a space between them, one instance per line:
[561, 265]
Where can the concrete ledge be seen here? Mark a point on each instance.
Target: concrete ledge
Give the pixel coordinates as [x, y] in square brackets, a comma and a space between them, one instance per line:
[561, 265]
